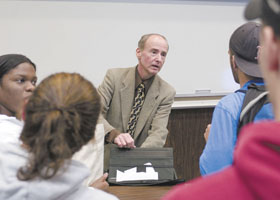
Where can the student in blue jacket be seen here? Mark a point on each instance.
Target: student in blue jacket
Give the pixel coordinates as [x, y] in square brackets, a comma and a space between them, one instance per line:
[243, 53]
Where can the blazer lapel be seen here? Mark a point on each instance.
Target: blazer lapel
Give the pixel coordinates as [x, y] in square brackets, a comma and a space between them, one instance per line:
[148, 106]
[127, 96]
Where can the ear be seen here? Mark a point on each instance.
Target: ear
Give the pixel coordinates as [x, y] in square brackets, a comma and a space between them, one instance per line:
[232, 58]
[270, 49]
[138, 53]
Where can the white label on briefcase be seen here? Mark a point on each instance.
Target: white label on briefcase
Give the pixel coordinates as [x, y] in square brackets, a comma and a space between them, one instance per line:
[133, 175]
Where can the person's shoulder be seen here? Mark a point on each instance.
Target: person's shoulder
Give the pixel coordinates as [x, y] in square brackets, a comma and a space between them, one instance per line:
[120, 70]
[232, 100]
[120, 73]
[10, 128]
[10, 121]
[233, 97]
[164, 84]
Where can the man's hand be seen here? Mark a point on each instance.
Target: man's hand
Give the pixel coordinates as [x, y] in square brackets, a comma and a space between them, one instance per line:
[124, 140]
[101, 183]
[206, 133]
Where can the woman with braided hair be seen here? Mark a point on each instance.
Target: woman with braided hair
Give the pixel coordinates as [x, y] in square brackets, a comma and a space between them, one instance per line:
[60, 118]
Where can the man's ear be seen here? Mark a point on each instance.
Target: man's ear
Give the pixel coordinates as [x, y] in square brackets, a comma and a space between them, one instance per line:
[138, 53]
[232, 58]
[272, 46]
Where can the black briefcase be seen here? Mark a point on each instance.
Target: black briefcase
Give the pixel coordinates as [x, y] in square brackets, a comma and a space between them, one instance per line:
[161, 160]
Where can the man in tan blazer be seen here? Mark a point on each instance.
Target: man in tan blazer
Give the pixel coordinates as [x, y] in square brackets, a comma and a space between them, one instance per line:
[118, 92]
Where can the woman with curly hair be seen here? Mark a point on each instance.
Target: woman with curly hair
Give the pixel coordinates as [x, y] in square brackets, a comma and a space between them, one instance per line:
[60, 118]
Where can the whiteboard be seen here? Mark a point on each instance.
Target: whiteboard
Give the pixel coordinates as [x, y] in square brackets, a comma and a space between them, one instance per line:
[90, 37]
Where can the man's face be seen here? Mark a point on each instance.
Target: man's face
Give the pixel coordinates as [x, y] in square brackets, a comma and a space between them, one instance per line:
[152, 57]
[16, 87]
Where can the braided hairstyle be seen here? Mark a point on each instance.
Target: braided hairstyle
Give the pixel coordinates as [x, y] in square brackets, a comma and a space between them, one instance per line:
[60, 118]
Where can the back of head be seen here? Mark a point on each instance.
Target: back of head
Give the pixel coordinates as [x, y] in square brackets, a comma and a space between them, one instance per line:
[244, 44]
[267, 10]
[10, 61]
[60, 118]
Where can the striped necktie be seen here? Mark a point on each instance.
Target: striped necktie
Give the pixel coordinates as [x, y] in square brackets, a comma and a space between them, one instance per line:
[136, 108]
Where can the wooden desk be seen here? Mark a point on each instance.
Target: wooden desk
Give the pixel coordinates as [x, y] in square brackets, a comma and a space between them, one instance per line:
[139, 192]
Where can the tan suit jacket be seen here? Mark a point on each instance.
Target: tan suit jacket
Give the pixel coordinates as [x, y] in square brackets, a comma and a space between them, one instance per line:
[117, 96]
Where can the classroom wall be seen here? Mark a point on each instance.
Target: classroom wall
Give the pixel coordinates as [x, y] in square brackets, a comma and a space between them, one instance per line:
[91, 36]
